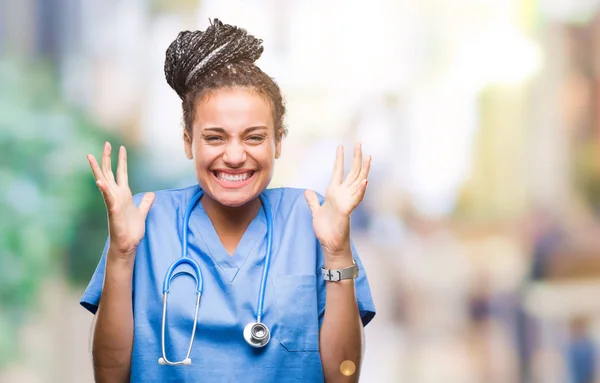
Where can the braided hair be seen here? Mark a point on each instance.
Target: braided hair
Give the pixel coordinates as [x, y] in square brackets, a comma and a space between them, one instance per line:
[222, 56]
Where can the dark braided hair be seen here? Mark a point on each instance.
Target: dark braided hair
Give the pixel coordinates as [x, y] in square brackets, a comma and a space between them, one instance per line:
[223, 56]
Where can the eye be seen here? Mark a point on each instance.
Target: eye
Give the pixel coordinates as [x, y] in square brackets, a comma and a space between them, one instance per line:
[256, 139]
[213, 139]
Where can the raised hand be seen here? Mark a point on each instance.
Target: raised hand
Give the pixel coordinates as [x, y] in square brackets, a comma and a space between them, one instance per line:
[126, 222]
[331, 221]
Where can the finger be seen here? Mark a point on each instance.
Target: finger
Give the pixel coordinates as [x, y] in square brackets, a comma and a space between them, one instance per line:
[312, 200]
[146, 203]
[338, 168]
[360, 190]
[106, 194]
[356, 164]
[122, 178]
[106, 164]
[96, 171]
[100, 181]
[363, 174]
[363, 189]
[364, 170]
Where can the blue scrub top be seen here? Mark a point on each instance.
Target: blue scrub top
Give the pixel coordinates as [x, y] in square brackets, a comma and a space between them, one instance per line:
[294, 299]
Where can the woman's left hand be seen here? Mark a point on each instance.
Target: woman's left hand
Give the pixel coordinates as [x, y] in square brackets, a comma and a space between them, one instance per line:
[331, 221]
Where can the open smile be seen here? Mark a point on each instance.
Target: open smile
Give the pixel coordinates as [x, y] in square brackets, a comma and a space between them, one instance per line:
[233, 180]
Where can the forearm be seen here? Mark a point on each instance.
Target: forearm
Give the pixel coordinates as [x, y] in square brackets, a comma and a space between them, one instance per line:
[113, 334]
[340, 337]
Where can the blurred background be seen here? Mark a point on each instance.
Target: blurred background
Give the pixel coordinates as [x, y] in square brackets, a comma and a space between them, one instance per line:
[480, 230]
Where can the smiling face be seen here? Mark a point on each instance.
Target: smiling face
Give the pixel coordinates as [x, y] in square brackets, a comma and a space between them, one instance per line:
[233, 144]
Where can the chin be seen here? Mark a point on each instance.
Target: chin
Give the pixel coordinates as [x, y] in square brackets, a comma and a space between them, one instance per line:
[232, 198]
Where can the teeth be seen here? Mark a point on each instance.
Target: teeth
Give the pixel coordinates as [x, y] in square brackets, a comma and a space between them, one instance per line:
[233, 177]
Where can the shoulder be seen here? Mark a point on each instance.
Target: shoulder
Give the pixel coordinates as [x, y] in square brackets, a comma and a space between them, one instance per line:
[287, 194]
[169, 198]
[285, 201]
[289, 201]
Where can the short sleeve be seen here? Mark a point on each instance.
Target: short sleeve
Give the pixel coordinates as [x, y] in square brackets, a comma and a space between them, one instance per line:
[361, 285]
[91, 295]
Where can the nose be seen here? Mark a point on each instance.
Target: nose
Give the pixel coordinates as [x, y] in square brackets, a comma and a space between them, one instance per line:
[234, 155]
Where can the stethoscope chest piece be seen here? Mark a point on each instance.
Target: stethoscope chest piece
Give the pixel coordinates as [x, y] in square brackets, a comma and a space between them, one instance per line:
[257, 334]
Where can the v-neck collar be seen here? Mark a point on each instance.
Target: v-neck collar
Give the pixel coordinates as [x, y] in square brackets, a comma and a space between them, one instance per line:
[201, 227]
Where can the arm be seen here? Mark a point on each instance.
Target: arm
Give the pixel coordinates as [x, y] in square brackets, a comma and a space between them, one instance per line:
[341, 335]
[113, 334]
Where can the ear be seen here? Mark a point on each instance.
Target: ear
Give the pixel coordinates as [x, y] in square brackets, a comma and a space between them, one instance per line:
[278, 140]
[278, 149]
[187, 144]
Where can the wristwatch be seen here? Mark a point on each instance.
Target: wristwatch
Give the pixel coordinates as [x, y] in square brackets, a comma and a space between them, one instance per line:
[336, 275]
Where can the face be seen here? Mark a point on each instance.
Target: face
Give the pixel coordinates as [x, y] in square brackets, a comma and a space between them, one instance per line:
[233, 145]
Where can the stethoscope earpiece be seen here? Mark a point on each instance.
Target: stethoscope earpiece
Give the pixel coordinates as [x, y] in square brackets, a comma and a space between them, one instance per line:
[257, 334]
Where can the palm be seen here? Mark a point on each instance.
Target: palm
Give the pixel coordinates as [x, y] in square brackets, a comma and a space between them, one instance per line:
[126, 221]
[331, 221]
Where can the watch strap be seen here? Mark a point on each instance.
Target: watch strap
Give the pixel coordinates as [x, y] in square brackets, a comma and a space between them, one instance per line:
[336, 275]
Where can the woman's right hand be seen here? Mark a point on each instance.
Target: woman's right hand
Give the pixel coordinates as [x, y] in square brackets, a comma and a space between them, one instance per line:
[126, 222]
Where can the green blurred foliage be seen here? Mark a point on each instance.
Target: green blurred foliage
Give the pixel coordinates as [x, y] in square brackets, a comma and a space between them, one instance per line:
[52, 217]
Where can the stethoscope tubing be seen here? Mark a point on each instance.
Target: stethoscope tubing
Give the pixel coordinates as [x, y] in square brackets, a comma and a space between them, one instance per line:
[197, 275]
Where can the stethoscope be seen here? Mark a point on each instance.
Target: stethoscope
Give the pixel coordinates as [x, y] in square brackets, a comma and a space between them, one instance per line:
[257, 334]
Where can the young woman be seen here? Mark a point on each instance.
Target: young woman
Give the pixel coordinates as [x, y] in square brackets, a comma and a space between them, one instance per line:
[226, 280]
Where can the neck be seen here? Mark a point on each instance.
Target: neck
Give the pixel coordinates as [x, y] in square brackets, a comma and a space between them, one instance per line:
[229, 220]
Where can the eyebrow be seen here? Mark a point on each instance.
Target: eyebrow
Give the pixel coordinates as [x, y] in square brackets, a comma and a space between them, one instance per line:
[246, 131]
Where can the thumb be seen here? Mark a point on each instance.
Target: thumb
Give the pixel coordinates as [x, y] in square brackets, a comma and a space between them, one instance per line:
[312, 200]
[146, 204]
